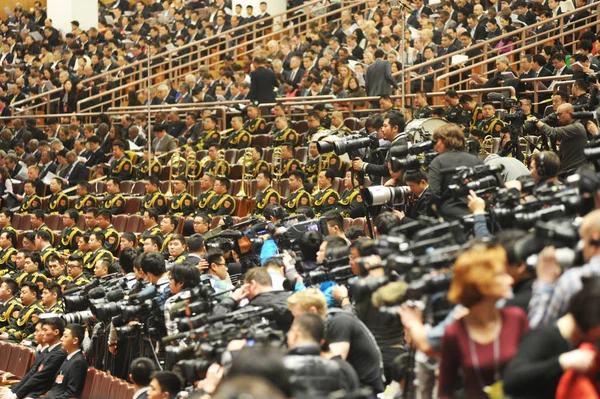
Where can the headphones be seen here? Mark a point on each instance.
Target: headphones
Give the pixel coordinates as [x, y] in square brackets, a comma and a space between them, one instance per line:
[541, 168]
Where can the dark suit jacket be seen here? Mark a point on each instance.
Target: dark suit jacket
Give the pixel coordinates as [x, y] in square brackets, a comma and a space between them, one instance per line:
[379, 78]
[78, 174]
[262, 82]
[73, 372]
[41, 375]
[422, 207]
[566, 71]
[96, 158]
[297, 77]
[528, 18]
[480, 32]
[50, 167]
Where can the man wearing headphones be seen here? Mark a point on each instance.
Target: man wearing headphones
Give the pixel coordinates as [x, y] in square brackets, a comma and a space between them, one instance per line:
[544, 168]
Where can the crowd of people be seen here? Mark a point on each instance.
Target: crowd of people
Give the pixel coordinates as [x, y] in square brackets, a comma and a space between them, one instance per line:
[408, 267]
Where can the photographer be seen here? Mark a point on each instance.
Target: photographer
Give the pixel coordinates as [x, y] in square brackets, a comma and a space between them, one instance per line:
[347, 336]
[184, 277]
[422, 196]
[315, 374]
[573, 139]
[386, 329]
[217, 272]
[552, 290]
[450, 144]
[547, 353]
[544, 168]
[258, 289]
[393, 131]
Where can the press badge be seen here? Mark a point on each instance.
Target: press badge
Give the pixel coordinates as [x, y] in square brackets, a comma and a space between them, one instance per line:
[59, 379]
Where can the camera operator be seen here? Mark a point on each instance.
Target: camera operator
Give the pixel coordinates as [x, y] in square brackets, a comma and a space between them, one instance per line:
[315, 374]
[450, 144]
[258, 289]
[552, 290]
[273, 213]
[386, 329]
[347, 336]
[217, 272]
[184, 277]
[420, 205]
[546, 354]
[573, 139]
[197, 252]
[393, 128]
[153, 266]
[544, 167]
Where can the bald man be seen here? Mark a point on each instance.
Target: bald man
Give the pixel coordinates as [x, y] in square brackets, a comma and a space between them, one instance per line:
[572, 136]
[551, 293]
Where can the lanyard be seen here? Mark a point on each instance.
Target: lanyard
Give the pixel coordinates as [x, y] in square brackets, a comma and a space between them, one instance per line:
[476, 360]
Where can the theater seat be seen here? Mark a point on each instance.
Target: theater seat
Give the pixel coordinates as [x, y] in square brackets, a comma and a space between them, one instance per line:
[360, 222]
[120, 222]
[133, 205]
[215, 222]
[231, 155]
[16, 220]
[301, 154]
[347, 223]
[261, 140]
[52, 221]
[301, 126]
[90, 380]
[236, 172]
[164, 186]
[133, 223]
[127, 186]
[25, 361]
[353, 124]
[130, 392]
[101, 383]
[5, 355]
[139, 188]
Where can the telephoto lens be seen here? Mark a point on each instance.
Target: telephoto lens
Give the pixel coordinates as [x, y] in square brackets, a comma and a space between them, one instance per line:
[380, 195]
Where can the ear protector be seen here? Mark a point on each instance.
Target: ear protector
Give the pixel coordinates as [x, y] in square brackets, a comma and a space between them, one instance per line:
[540, 166]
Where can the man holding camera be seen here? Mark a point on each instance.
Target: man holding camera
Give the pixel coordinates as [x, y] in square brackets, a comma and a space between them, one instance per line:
[393, 128]
[573, 139]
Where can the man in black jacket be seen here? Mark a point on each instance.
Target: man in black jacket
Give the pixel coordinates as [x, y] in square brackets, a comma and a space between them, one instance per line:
[262, 82]
[70, 379]
[258, 289]
[393, 131]
[419, 186]
[312, 372]
[42, 373]
[450, 144]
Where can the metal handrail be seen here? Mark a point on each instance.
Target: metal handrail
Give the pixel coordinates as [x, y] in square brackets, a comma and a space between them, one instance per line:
[288, 102]
[484, 45]
[170, 57]
[168, 53]
[206, 60]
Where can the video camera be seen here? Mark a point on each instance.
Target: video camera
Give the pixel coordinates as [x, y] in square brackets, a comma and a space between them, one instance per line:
[517, 117]
[210, 337]
[349, 144]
